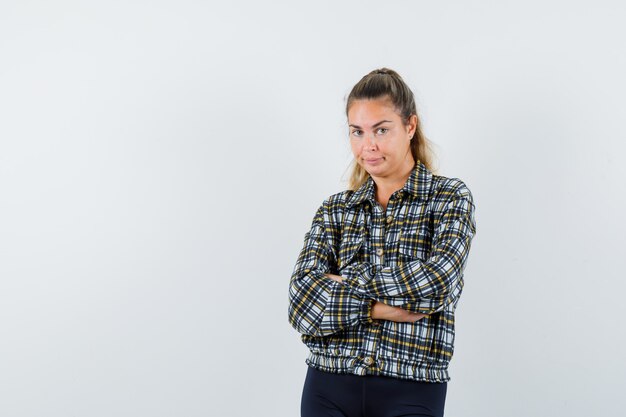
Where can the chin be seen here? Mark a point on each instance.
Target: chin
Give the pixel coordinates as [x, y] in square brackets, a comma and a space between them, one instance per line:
[375, 170]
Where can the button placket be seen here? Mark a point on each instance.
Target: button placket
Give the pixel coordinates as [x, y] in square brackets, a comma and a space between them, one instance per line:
[377, 236]
[383, 224]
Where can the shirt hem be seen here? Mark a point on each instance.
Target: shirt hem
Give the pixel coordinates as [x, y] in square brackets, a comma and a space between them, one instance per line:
[392, 367]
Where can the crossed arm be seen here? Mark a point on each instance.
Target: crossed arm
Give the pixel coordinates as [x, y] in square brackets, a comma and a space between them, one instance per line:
[323, 303]
[382, 311]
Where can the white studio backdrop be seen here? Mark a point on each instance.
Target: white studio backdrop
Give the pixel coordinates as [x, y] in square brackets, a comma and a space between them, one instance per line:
[160, 162]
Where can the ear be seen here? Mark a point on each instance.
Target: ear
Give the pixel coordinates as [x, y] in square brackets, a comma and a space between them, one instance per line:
[412, 125]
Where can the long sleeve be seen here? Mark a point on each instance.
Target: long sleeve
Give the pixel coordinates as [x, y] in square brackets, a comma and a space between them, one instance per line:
[319, 306]
[425, 286]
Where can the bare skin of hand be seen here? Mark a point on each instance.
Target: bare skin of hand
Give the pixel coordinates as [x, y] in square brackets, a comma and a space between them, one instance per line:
[382, 311]
[386, 312]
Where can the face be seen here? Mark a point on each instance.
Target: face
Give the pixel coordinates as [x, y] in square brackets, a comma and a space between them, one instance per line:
[379, 139]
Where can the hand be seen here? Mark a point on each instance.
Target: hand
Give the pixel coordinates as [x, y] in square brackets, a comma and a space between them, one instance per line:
[386, 312]
[334, 277]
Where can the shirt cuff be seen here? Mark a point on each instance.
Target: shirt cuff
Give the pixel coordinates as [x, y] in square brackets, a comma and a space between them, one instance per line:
[366, 311]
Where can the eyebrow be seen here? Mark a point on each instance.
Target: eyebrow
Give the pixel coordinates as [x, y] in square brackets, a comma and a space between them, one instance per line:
[376, 125]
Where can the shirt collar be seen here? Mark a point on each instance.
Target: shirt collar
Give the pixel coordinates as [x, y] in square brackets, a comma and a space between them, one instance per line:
[417, 185]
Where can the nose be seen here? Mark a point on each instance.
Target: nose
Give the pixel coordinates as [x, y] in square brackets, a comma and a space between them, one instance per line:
[369, 141]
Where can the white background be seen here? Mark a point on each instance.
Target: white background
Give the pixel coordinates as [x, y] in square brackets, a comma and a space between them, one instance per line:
[160, 162]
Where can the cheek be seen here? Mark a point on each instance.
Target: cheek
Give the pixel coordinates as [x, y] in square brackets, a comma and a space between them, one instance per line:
[356, 149]
[398, 148]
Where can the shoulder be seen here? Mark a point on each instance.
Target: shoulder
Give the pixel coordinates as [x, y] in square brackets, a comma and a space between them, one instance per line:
[337, 201]
[445, 189]
[452, 198]
[333, 206]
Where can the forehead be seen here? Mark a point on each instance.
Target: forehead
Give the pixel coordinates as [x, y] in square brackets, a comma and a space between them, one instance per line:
[371, 111]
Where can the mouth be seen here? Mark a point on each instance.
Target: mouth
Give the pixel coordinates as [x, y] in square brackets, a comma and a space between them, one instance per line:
[372, 160]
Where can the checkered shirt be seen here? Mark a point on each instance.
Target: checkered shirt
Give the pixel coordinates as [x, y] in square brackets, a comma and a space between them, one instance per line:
[411, 255]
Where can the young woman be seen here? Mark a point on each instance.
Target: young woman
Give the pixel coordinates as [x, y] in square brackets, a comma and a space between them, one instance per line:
[375, 287]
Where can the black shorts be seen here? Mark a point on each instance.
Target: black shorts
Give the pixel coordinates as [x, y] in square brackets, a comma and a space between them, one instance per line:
[347, 395]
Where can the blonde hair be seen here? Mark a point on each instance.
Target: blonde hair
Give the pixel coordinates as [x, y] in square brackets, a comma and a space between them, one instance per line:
[385, 82]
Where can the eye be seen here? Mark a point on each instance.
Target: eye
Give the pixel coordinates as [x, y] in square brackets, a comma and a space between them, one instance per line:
[382, 130]
[356, 132]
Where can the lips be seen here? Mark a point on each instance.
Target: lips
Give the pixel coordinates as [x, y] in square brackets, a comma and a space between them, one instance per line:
[372, 160]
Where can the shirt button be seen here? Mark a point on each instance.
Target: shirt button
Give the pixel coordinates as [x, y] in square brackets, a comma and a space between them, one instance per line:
[389, 219]
[368, 361]
[379, 252]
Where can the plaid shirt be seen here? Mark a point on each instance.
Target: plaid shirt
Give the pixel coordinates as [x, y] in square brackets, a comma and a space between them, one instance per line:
[412, 255]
